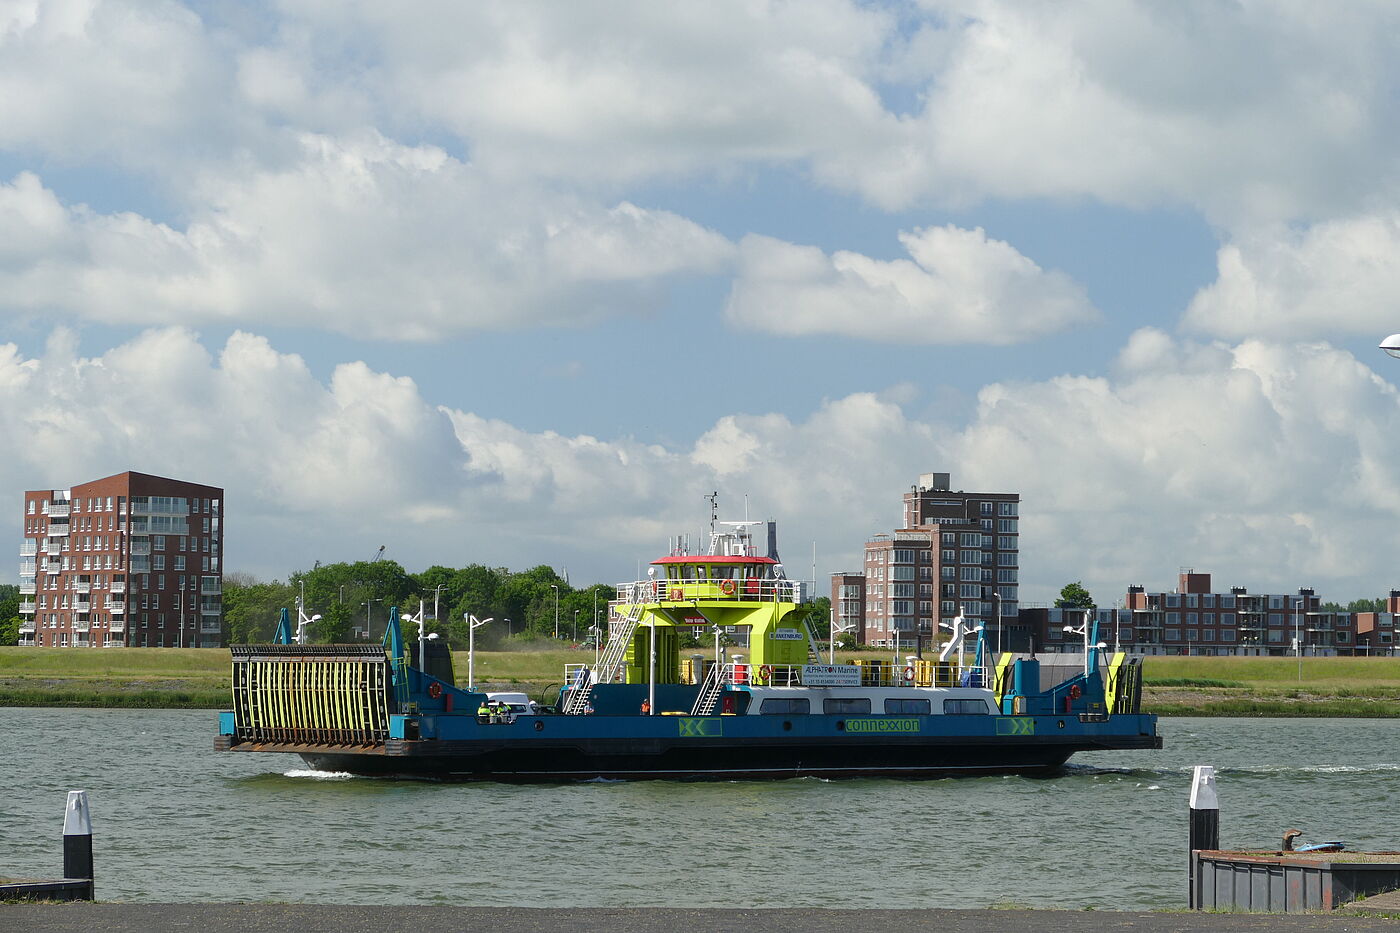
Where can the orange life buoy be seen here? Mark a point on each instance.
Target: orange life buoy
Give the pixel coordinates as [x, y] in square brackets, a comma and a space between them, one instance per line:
[727, 587]
[1074, 691]
[435, 690]
[909, 673]
[765, 671]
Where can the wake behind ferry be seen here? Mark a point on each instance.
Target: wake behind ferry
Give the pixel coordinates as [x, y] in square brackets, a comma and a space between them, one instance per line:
[767, 707]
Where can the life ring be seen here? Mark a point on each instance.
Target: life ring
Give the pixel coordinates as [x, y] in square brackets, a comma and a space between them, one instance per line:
[435, 690]
[677, 592]
[765, 671]
[1075, 692]
[909, 673]
[727, 587]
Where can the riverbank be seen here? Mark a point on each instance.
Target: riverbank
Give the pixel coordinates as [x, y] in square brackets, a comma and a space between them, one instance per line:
[188, 678]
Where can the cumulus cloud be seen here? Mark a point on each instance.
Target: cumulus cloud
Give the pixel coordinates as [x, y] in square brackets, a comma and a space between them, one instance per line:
[362, 236]
[1271, 465]
[958, 286]
[1335, 278]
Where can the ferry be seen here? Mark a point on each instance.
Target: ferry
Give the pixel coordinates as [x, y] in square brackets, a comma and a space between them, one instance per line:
[762, 704]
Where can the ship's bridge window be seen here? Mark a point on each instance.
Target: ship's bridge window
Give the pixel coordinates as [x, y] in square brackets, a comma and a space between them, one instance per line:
[906, 707]
[785, 706]
[965, 707]
[846, 706]
[722, 573]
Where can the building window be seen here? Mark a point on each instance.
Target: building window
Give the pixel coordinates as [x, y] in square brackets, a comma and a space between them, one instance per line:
[1275, 618]
[1227, 634]
[1193, 634]
[1192, 618]
[1006, 560]
[1173, 618]
[1173, 634]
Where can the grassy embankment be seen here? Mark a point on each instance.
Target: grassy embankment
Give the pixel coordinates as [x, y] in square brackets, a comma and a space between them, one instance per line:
[1175, 686]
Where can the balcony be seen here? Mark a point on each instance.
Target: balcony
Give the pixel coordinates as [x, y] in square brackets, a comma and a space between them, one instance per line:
[27, 589]
[56, 509]
[113, 643]
[211, 589]
[82, 626]
[28, 547]
[83, 586]
[82, 605]
[140, 565]
[210, 610]
[116, 625]
[212, 628]
[54, 565]
[26, 567]
[27, 607]
[26, 642]
[26, 626]
[118, 586]
[139, 548]
[115, 609]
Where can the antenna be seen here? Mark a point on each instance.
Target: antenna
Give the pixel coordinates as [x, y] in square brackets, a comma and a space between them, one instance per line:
[714, 510]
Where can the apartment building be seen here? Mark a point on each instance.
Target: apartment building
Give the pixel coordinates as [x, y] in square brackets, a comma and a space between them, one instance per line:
[1195, 620]
[958, 553]
[848, 605]
[127, 560]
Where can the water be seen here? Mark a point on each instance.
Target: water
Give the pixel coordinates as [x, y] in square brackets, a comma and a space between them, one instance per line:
[175, 821]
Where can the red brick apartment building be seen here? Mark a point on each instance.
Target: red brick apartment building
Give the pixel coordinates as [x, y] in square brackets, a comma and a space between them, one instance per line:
[1194, 620]
[957, 553]
[128, 560]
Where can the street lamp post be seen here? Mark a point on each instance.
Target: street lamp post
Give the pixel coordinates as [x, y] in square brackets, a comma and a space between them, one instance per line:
[575, 626]
[473, 623]
[367, 604]
[555, 588]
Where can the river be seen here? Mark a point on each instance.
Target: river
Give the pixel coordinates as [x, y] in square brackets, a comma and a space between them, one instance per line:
[175, 821]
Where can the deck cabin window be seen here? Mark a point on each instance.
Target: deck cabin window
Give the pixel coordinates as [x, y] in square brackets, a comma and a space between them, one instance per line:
[906, 707]
[846, 706]
[785, 706]
[965, 708]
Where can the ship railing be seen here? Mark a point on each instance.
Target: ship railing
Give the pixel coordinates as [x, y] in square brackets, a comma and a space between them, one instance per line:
[876, 673]
[580, 675]
[745, 591]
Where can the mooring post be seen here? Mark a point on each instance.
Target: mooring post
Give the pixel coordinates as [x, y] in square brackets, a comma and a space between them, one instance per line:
[77, 839]
[1205, 824]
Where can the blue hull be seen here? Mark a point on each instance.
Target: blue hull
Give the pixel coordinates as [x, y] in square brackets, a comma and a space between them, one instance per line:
[568, 748]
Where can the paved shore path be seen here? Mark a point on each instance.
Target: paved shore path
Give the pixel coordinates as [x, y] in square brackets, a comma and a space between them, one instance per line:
[310, 918]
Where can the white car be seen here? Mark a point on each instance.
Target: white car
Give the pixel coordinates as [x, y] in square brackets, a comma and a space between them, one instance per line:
[520, 704]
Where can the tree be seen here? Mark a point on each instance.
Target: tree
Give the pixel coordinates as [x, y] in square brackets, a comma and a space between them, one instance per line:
[336, 625]
[1367, 605]
[251, 609]
[9, 630]
[1074, 596]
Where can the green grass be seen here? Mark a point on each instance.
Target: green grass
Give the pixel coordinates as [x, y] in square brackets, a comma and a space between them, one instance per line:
[1177, 686]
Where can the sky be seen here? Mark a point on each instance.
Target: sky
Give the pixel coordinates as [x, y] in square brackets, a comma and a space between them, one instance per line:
[522, 282]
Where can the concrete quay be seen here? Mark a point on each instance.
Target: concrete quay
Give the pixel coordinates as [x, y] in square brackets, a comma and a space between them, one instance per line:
[313, 918]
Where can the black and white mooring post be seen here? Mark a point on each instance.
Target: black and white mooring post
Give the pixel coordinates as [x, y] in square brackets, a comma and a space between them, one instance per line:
[77, 839]
[1205, 821]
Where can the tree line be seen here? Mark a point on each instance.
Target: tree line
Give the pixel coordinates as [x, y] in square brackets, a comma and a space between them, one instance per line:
[354, 598]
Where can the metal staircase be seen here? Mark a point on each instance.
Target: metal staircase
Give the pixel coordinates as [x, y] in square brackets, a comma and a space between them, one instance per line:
[814, 656]
[709, 692]
[620, 632]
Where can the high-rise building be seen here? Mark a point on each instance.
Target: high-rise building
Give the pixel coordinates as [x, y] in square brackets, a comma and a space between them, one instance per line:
[958, 553]
[128, 560]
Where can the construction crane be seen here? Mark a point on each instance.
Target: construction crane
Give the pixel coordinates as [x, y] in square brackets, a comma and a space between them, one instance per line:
[378, 554]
